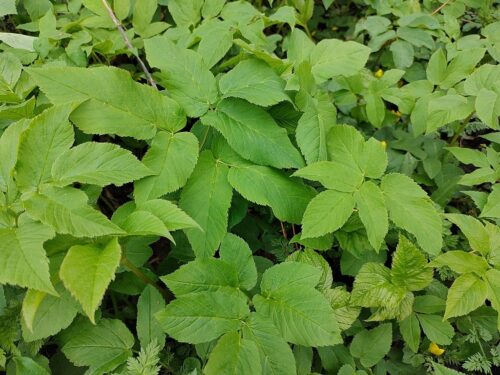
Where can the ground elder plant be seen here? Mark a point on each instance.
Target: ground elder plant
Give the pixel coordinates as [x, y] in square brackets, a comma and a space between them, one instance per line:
[285, 187]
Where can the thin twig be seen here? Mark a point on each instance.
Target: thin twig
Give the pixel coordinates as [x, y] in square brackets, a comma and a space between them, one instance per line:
[464, 123]
[125, 38]
[144, 278]
[440, 7]
[283, 231]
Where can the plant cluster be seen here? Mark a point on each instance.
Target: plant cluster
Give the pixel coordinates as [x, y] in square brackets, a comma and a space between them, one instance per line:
[249, 187]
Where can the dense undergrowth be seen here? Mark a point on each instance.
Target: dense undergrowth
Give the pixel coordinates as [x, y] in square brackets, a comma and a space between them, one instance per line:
[249, 187]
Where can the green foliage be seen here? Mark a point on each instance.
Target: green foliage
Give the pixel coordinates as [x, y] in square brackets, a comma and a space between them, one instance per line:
[287, 187]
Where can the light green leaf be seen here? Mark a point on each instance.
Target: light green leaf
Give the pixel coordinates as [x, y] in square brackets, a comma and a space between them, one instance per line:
[201, 317]
[66, 210]
[254, 81]
[103, 347]
[47, 136]
[216, 38]
[332, 57]
[276, 356]
[492, 280]
[372, 212]
[8, 7]
[375, 108]
[19, 41]
[488, 107]
[185, 12]
[410, 330]
[492, 206]
[439, 369]
[9, 145]
[202, 275]
[287, 197]
[234, 355]
[87, 270]
[148, 328]
[371, 346]
[184, 74]
[326, 213]
[445, 109]
[461, 262]
[23, 256]
[411, 209]
[171, 215]
[402, 54]
[345, 145]
[143, 14]
[467, 293]
[470, 156]
[310, 257]
[373, 160]
[99, 164]
[104, 108]
[145, 223]
[207, 198]
[477, 235]
[301, 314]
[438, 331]
[254, 134]
[289, 275]
[333, 175]
[436, 68]
[409, 267]
[172, 157]
[235, 251]
[26, 365]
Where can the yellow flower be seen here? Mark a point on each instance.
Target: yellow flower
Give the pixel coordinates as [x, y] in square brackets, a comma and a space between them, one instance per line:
[384, 144]
[334, 28]
[397, 113]
[435, 349]
[379, 73]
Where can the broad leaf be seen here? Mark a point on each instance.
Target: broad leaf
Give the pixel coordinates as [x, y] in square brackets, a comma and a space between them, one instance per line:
[333, 175]
[235, 251]
[148, 328]
[410, 330]
[461, 262]
[371, 346]
[438, 331]
[467, 293]
[289, 275]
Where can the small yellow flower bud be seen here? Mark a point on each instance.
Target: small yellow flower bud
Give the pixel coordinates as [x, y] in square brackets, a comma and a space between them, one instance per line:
[435, 349]
[396, 113]
[334, 28]
[379, 73]
[384, 144]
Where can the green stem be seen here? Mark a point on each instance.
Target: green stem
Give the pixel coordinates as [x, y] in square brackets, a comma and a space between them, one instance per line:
[145, 278]
[454, 140]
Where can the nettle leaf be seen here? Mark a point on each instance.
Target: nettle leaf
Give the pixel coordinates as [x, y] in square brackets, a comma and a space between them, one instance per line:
[66, 210]
[287, 197]
[275, 355]
[46, 137]
[184, 74]
[148, 328]
[253, 133]
[411, 209]
[201, 317]
[110, 101]
[254, 81]
[409, 267]
[333, 57]
[234, 355]
[467, 293]
[23, 258]
[235, 251]
[87, 270]
[172, 158]
[207, 198]
[371, 346]
[102, 347]
[98, 164]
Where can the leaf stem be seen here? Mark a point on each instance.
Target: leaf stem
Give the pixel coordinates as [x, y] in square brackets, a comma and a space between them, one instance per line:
[125, 38]
[460, 130]
[145, 278]
[440, 7]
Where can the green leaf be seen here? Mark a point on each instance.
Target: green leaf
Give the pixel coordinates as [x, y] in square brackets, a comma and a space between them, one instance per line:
[445, 109]
[436, 68]
[372, 212]
[254, 134]
[66, 210]
[411, 209]
[47, 136]
[185, 12]
[178, 67]
[371, 346]
[333, 175]
[172, 157]
[470, 156]
[201, 317]
[332, 57]
[461, 262]
[438, 331]
[313, 128]
[287, 197]
[442, 370]
[143, 14]
[9, 145]
[302, 315]
[488, 107]
[104, 108]
[402, 54]
[289, 275]
[345, 146]
[207, 198]
[492, 280]
[254, 81]
[202, 275]
[311, 257]
[234, 355]
[8, 7]
[467, 293]
[23, 256]
[410, 330]
[172, 216]
[45, 315]
[492, 206]
[373, 160]
[478, 237]
[216, 37]
[148, 328]
[276, 356]
[409, 267]
[87, 270]
[235, 251]
[99, 164]
[326, 213]
[25, 365]
[144, 223]
[102, 347]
